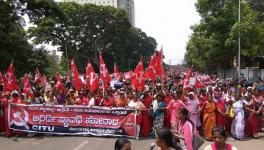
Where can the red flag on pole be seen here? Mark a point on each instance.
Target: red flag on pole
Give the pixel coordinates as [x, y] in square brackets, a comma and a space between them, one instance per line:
[187, 77]
[59, 84]
[128, 75]
[159, 64]
[10, 79]
[43, 80]
[37, 76]
[104, 74]
[77, 82]
[137, 79]
[92, 81]
[116, 72]
[151, 71]
[27, 87]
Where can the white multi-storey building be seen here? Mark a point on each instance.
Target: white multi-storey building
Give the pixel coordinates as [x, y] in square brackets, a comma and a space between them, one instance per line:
[96, 2]
[127, 5]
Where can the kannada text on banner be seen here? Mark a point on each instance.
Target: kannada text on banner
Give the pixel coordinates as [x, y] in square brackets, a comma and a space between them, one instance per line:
[73, 120]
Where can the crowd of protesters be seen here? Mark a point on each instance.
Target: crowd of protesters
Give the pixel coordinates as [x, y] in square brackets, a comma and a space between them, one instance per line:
[185, 109]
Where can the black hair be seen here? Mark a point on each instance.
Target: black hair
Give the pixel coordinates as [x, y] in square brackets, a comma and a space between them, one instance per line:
[166, 135]
[185, 112]
[119, 144]
[219, 130]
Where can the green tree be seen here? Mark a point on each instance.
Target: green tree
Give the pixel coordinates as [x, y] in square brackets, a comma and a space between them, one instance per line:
[85, 30]
[214, 42]
[13, 39]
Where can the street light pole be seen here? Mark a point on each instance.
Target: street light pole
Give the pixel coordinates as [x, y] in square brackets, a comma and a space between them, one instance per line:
[239, 46]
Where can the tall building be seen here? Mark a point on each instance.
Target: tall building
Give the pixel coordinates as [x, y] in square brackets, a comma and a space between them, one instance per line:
[127, 5]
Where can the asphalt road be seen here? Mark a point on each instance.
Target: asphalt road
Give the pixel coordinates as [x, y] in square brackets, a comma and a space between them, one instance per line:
[97, 143]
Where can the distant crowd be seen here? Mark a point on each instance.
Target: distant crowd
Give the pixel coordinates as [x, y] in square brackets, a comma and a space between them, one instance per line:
[170, 102]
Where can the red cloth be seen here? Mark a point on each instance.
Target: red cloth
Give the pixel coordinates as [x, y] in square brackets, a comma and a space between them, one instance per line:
[10, 83]
[116, 72]
[228, 121]
[7, 130]
[139, 119]
[82, 101]
[59, 84]
[108, 102]
[77, 82]
[159, 64]
[137, 80]
[2, 115]
[151, 71]
[104, 74]
[146, 123]
[37, 76]
[251, 123]
[220, 118]
[92, 81]
[167, 117]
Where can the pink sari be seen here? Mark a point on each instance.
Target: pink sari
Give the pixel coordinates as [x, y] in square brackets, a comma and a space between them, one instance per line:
[186, 130]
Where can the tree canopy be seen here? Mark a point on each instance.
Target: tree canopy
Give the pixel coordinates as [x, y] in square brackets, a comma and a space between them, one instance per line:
[13, 40]
[214, 42]
[82, 31]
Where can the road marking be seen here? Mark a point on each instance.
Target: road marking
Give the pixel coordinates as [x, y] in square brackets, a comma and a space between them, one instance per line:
[81, 145]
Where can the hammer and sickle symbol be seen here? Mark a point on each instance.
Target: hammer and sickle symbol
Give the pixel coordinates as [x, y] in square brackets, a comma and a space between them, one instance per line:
[19, 120]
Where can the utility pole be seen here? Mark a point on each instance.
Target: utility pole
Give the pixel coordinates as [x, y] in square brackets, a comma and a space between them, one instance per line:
[239, 46]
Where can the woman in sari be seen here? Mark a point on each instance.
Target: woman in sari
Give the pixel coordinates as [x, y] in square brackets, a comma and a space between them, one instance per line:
[146, 124]
[209, 118]
[251, 120]
[238, 124]
[174, 108]
[158, 113]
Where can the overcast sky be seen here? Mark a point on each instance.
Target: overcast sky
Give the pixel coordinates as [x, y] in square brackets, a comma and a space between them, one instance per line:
[168, 21]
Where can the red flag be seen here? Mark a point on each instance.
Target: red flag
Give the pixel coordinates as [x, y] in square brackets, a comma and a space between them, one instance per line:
[151, 71]
[198, 84]
[10, 79]
[116, 72]
[59, 84]
[92, 81]
[43, 80]
[159, 64]
[128, 75]
[27, 87]
[104, 74]
[37, 76]
[77, 82]
[187, 77]
[137, 79]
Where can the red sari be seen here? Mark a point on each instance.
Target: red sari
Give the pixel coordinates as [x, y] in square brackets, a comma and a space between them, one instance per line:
[251, 122]
[146, 123]
[108, 102]
[2, 114]
[259, 119]
[167, 116]
[220, 118]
